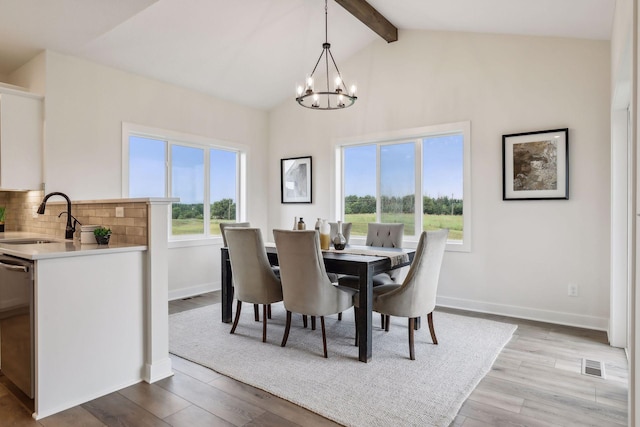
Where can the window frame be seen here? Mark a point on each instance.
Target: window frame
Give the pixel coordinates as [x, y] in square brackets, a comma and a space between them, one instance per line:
[173, 138]
[404, 136]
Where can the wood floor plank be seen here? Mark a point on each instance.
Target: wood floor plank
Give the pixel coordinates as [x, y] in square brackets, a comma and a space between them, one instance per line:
[154, 399]
[217, 402]
[555, 398]
[116, 410]
[14, 414]
[501, 400]
[493, 416]
[74, 417]
[566, 415]
[194, 416]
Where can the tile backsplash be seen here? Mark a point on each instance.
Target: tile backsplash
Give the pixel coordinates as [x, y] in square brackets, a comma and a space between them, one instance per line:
[21, 216]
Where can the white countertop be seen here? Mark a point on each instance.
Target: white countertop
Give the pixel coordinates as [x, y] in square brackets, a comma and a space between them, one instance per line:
[57, 248]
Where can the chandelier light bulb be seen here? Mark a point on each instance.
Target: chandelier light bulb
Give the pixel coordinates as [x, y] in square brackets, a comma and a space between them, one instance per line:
[309, 82]
[352, 90]
[338, 81]
[299, 90]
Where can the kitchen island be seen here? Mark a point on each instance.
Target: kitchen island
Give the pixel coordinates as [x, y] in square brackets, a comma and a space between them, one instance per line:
[90, 306]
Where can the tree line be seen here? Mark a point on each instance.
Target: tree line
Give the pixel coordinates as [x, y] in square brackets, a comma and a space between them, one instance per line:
[442, 205]
[225, 209]
[221, 209]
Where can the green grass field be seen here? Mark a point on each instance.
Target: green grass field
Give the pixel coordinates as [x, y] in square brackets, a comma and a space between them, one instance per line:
[359, 228]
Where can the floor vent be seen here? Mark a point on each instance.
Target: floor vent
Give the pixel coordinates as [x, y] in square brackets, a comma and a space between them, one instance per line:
[594, 368]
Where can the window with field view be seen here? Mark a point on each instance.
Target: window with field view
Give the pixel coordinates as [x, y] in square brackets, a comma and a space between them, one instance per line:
[205, 179]
[418, 180]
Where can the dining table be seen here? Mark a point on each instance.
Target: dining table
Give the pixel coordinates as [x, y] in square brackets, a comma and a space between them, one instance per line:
[362, 261]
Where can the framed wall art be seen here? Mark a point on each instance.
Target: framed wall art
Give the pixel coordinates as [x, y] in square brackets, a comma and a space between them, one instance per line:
[295, 180]
[535, 165]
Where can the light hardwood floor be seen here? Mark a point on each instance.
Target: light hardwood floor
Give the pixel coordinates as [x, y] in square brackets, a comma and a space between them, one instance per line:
[536, 381]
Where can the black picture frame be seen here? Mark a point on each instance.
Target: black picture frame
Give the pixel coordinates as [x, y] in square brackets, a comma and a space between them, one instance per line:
[296, 179]
[535, 165]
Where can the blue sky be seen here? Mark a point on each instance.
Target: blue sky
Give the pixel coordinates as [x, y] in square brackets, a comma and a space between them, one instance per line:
[147, 178]
[442, 163]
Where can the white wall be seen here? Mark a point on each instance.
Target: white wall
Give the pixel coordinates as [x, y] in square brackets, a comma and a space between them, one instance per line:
[85, 105]
[524, 253]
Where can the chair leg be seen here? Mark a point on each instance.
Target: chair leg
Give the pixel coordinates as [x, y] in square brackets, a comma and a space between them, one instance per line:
[286, 330]
[304, 320]
[256, 312]
[387, 320]
[264, 322]
[235, 321]
[412, 353]
[433, 332]
[269, 311]
[313, 323]
[324, 336]
[381, 321]
[355, 316]
[340, 316]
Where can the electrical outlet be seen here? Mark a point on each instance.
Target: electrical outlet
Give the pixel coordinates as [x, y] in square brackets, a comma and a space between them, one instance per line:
[119, 212]
[572, 290]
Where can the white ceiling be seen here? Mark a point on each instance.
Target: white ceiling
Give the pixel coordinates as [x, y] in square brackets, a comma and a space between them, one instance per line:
[253, 52]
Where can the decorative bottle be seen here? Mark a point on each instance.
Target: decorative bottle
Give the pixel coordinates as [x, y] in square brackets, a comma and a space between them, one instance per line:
[295, 222]
[301, 224]
[318, 224]
[325, 235]
[339, 242]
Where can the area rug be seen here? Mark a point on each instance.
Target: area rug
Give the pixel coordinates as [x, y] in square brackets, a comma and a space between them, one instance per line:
[391, 390]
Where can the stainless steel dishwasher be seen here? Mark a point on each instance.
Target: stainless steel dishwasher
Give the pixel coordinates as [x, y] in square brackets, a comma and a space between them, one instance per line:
[16, 322]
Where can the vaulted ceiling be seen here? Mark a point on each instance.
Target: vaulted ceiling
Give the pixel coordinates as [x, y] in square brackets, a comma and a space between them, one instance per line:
[253, 52]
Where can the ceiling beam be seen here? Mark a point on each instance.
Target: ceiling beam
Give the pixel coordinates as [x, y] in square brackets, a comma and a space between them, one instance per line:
[371, 18]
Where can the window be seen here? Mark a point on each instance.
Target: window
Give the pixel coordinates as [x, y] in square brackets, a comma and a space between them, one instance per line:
[420, 177]
[204, 177]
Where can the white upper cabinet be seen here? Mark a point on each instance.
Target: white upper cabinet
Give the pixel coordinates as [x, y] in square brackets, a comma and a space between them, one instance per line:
[21, 140]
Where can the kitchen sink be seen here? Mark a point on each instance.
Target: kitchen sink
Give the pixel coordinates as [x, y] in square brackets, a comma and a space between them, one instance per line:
[27, 242]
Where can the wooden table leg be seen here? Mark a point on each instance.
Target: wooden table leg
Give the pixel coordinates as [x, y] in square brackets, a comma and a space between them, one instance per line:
[364, 314]
[227, 287]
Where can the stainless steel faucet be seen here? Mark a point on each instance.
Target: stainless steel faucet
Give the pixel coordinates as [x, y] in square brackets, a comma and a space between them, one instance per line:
[71, 227]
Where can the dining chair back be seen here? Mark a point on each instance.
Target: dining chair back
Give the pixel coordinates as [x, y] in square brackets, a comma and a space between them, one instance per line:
[253, 279]
[226, 225]
[387, 235]
[416, 296]
[306, 289]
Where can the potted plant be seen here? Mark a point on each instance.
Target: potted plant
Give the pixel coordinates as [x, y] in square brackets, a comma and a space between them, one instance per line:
[2, 210]
[102, 235]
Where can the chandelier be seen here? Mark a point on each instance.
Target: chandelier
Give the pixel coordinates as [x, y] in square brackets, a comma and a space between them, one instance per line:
[324, 98]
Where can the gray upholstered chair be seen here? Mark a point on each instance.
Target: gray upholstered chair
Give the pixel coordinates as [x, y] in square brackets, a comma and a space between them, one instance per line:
[254, 280]
[387, 235]
[226, 225]
[306, 288]
[416, 296]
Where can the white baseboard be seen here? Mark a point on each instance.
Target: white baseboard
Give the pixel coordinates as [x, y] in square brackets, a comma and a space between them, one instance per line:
[193, 290]
[157, 371]
[557, 317]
